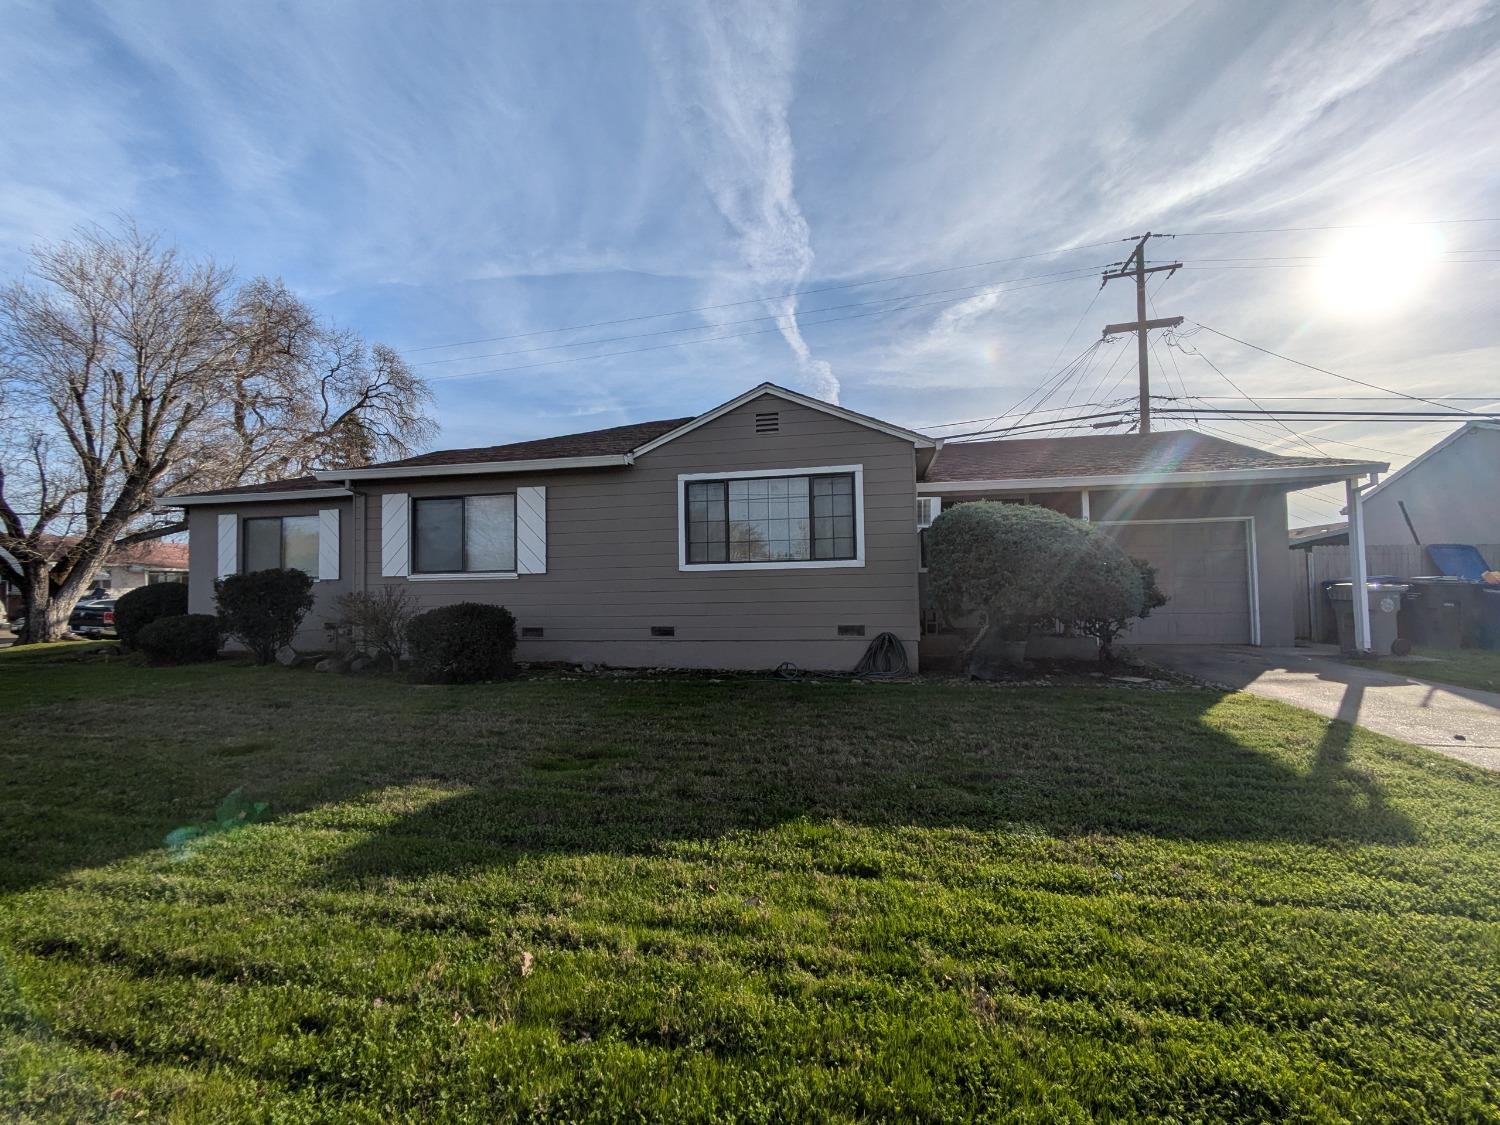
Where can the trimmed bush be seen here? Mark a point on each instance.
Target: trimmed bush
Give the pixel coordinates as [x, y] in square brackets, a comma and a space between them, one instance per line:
[1007, 564]
[184, 638]
[462, 644]
[137, 608]
[263, 609]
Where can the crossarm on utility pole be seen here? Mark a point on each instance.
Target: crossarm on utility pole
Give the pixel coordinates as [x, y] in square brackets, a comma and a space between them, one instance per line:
[1132, 326]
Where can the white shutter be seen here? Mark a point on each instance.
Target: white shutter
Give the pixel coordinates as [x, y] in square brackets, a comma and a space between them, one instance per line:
[928, 508]
[395, 520]
[328, 544]
[229, 545]
[531, 530]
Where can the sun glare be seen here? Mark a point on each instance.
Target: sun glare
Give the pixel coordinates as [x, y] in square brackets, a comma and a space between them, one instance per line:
[1376, 269]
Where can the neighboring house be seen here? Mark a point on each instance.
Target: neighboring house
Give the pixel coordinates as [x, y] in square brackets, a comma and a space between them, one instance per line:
[1446, 494]
[773, 528]
[123, 569]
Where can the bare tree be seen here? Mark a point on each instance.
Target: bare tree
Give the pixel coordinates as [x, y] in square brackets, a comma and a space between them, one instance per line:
[127, 372]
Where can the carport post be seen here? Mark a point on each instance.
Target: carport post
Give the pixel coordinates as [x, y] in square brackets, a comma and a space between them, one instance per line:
[1360, 568]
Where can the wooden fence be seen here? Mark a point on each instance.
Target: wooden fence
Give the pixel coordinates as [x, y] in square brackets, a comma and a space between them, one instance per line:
[1316, 565]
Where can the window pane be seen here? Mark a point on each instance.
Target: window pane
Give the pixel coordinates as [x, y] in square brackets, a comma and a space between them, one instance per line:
[299, 538]
[833, 517]
[262, 545]
[438, 535]
[490, 533]
[705, 521]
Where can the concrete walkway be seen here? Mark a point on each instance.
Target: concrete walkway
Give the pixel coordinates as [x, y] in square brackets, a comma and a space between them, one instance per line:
[1458, 722]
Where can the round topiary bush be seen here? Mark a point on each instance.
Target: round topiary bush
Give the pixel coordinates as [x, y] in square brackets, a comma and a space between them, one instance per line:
[186, 638]
[1010, 563]
[462, 644]
[137, 608]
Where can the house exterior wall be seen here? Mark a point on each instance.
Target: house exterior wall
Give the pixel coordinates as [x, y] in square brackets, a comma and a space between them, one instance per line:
[612, 555]
[203, 561]
[1451, 496]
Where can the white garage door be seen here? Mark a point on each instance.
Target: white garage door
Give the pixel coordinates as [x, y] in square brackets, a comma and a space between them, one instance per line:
[1204, 569]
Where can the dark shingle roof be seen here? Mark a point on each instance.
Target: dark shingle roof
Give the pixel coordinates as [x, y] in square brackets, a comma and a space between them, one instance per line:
[592, 443]
[292, 484]
[1108, 455]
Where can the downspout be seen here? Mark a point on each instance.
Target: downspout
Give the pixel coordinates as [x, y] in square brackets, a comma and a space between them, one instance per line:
[361, 537]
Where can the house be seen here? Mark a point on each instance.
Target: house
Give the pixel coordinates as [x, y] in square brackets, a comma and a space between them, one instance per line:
[1445, 494]
[772, 528]
[124, 568]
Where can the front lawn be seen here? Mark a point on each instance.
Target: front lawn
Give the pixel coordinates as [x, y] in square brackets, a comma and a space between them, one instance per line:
[684, 899]
[1463, 667]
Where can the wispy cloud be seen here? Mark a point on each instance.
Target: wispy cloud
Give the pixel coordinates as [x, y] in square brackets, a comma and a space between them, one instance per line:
[727, 70]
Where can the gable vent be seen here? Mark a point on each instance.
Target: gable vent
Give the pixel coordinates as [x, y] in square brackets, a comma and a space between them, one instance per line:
[768, 423]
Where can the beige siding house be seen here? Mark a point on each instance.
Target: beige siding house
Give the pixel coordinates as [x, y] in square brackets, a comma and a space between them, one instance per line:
[772, 528]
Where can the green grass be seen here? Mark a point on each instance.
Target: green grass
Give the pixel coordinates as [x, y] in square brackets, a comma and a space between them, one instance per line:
[1465, 667]
[738, 900]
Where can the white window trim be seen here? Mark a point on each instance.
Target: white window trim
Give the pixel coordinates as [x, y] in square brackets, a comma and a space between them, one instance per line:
[464, 576]
[1252, 553]
[809, 564]
[414, 575]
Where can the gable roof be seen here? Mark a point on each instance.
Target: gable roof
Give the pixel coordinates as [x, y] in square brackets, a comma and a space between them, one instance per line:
[1466, 428]
[1181, 456]
[688, 425]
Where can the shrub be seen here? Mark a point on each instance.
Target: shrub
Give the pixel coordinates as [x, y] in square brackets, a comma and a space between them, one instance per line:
[380, 617]
[139, 607]
[1121, 598]
[462, 644]
[263, 609]
[184, 638]
[1007, 564]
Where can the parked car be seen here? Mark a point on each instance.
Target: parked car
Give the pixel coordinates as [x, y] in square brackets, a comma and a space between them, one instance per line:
[94, 618]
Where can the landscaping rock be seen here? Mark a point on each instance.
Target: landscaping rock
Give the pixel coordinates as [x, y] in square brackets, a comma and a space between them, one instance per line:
[331, 664]
[288, 657]
[360, 663]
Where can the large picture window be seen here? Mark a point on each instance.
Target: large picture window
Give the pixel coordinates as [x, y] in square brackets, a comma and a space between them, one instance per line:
[779, 519]
[274, 542]
[464, 534]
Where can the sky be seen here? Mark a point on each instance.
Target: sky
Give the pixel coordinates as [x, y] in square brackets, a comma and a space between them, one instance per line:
[902, 207]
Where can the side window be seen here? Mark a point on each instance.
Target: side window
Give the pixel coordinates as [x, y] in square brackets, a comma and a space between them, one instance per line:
[464, 534]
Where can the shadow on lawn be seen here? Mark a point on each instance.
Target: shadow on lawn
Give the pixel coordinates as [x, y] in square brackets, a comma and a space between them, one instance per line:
[1090, 765]
[461, 777]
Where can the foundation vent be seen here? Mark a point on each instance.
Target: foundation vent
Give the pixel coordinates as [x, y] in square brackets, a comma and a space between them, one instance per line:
[531, 631]
[851, 630]
[663, 630]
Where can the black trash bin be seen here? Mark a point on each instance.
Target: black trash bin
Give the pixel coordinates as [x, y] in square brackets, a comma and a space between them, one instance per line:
[1432, 613]
[1489, 618]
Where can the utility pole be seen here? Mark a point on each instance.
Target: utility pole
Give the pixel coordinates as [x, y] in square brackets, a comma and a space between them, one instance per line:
[1135, 267]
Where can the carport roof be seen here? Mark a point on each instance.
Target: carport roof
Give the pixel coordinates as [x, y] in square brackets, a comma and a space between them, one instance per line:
[1162, 456]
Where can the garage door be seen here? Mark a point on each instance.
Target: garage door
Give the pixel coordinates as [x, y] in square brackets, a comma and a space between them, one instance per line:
[1204, 569]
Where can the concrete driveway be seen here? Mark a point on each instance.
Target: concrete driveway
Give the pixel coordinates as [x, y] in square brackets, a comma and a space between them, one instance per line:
[1458, 722]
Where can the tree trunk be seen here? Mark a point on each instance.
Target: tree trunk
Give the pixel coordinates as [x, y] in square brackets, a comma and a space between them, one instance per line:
[46, 616]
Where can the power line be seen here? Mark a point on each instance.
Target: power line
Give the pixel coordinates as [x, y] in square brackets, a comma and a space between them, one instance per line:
[771, 297]
[1325, 371]
[1261, 409]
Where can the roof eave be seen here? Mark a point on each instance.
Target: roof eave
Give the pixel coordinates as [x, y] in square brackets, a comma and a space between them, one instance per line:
[164, 503]
[1304, 476]
[477, 468]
